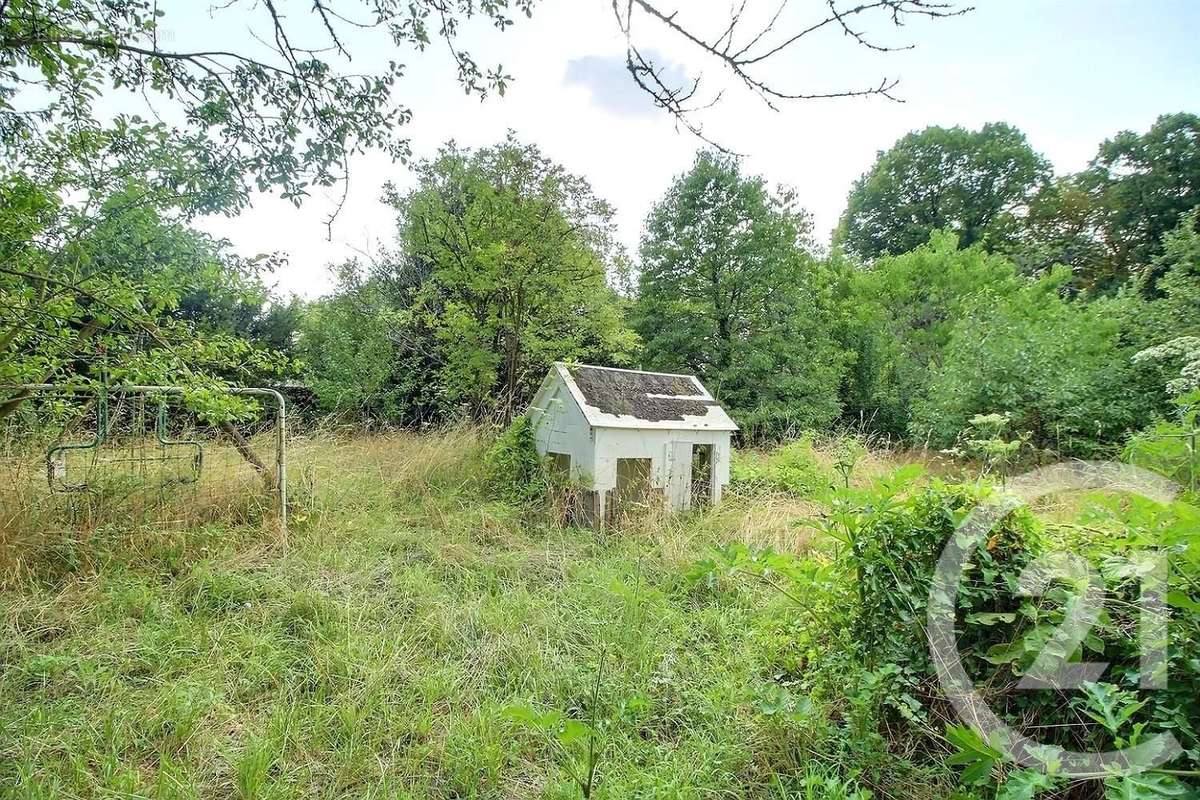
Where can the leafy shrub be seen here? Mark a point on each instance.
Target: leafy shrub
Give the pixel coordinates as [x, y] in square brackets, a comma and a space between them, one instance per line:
[901, 313]
[1166, 448]
[895, 540]
[874, 661]
[513, 469]
[1060, 367]
[792, 469]
[895, 543]
[1170, 448]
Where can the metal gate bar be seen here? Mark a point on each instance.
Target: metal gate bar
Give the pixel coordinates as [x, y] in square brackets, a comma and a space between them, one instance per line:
[280, 419]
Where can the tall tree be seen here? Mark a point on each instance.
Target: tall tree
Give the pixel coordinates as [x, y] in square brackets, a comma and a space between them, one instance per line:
[975, 183]
[1109, 222]
[1174, 308]
[1063, 227]
[728, 290]
[512, 253]
[1143, 184]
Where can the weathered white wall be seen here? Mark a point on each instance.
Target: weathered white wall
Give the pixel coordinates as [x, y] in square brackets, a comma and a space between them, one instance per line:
[614, 443]
[560, 427]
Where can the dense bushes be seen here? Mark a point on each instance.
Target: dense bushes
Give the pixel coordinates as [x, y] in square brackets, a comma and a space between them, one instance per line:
[900, 315]
[941, 335]
[354, 363]
[937, 334]
[1172, 447]
[894, 544]
[513, 470]
[860, 625]
[1059, 368]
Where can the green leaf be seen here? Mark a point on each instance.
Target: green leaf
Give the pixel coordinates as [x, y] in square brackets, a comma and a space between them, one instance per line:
[1180, 599]
[571, 731]
[1024, 785]
[1146, 786]
[976, 756]
[531, 717]
[1110, 706]
[1006, 653]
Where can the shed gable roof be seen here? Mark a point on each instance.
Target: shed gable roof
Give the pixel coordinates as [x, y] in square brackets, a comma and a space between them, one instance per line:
[623, 398]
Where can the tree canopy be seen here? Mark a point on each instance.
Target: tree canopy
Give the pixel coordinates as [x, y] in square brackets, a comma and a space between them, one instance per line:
[899, 316]
[975, 183]
[1142, 184]
[113, 107]
[729, 290]
[126, 294]
[502, 269]
[262, 114]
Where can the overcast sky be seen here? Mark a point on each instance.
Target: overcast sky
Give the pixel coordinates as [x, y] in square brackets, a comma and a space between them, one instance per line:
[1069, 73]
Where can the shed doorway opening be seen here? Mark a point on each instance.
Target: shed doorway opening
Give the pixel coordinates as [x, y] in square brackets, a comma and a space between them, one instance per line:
[702, 475]
[577, 506]
[560, 466]
[632, 489]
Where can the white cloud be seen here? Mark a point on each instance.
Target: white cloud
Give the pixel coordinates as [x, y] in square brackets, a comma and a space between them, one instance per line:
[612, 88]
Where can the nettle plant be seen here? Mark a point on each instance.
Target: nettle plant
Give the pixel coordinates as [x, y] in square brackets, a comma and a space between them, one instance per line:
[578, 744]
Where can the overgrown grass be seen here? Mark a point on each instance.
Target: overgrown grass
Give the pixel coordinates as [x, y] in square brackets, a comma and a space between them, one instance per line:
[50, 534]
[375, 652]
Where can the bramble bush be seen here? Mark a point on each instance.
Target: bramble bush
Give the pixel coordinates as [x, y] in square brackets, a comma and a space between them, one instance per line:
[874, 656]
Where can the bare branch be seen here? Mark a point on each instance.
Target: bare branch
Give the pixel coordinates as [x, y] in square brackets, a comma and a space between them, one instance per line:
[740, 58]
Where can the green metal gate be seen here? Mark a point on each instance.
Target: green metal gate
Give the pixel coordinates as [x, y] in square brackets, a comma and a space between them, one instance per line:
[78, 460]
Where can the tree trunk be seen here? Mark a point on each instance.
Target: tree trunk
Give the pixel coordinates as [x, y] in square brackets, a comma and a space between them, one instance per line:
[512, 358]
[242, 445]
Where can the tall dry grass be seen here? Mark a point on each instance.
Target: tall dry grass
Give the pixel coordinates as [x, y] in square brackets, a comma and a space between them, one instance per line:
[432, 479]
[126, 493]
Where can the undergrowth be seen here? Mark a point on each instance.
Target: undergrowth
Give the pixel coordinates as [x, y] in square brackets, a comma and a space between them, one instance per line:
[792, 468]
[379, 652]
[423, 634]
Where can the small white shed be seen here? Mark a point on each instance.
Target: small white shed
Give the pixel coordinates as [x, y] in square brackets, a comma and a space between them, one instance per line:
[633, 436]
